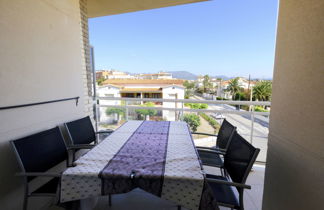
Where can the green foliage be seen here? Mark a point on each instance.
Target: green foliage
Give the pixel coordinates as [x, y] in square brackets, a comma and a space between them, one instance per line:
[260, 109]
[200, 90]
[119, 111]
[147, 112]
[262, 91]
[210, 120]
[100, 80]
[207, 84]
[193, 121]
[220, 98]
[241, 96]
[189, 85]
[234, 87]
[196, 105]
[188, 93]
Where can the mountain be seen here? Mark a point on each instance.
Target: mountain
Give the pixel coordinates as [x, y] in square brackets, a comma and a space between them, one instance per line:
[183, 75]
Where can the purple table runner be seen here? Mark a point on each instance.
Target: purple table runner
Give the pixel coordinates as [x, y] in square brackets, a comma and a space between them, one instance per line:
[140, 162]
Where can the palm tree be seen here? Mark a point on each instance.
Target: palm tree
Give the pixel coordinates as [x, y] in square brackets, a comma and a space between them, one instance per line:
[206, 83]
[262, 91]
[234, 87]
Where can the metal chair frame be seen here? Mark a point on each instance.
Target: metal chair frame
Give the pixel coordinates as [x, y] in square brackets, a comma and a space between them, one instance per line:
[239, 186]
[25, 176]
[74, 147]
[216, 151]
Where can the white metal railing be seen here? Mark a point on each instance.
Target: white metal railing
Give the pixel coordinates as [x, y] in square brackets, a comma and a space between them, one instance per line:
[181, 109]
[257, 103]
[183, 101]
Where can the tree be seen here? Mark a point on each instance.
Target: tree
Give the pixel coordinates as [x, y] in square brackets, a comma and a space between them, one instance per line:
[189, 87]
[234, 87]
[146, 112]
[193, 121]
[262, 91]
[118, 111]
[100, 80]
[206, 83]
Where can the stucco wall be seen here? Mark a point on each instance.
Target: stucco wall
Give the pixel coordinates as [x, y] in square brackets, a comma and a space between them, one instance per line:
[295, 163]
[170, 93]
[40, 56]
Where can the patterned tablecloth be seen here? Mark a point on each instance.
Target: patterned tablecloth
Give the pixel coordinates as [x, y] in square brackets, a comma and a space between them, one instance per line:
[158, 157]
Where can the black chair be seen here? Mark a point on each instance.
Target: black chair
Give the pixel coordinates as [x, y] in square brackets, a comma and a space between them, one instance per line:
[238, 162]
[82, 135]
[37, 154]
[212, 156]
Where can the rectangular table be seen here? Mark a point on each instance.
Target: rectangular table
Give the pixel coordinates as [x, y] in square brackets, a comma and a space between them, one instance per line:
[158, 157]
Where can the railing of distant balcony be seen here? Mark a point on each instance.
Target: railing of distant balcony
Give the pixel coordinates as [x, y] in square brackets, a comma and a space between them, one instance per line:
[182, 108]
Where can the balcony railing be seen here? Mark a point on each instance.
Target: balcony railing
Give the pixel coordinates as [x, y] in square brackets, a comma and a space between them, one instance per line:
[251, 124]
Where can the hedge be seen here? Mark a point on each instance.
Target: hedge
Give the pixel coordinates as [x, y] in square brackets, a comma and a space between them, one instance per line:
[210, 120]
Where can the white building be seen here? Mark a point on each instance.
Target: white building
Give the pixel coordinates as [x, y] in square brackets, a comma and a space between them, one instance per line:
[142, 88]
[113, 74]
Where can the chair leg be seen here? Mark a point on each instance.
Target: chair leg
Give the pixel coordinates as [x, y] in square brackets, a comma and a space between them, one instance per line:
[25, 202]
[179, 207]
[109, 200]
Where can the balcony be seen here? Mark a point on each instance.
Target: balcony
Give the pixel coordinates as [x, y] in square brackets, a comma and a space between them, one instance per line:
[45, 55]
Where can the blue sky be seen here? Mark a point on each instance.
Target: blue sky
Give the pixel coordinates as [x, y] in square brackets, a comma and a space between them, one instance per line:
[219, 37]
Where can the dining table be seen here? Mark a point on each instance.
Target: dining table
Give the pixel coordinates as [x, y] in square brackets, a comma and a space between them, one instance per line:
[158, 157]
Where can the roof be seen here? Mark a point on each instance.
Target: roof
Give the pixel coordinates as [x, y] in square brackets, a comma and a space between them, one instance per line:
[110, 85]
[123, 82]
[140, 90]
[97, 8]
[180, 86]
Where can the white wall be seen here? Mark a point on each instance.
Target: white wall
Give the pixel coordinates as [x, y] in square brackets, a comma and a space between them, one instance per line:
[294, 177]
[106, 91]
[40, 56]
[169, 93]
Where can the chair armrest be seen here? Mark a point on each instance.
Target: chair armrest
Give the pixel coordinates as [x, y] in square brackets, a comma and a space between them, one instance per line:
[210, 150]
[218, 181]
[80, 146]
[44, 174]
[107, 131]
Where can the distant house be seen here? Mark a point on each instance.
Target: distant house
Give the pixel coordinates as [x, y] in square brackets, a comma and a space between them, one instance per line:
[223, 85]
[143, 88]
[112, 74]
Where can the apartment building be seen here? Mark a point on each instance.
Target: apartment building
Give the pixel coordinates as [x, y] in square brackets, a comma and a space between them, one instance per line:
[142, 88]
[113, 74]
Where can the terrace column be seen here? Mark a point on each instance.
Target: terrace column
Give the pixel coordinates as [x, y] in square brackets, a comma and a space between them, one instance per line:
[294, 177]
[142, 97]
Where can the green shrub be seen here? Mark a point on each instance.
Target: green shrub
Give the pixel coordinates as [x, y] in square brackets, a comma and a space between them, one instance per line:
[196, 105]
[211, 121]
[113, 110]
[193, 121]
[260, 109]
[147, 112]
[220, 98]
